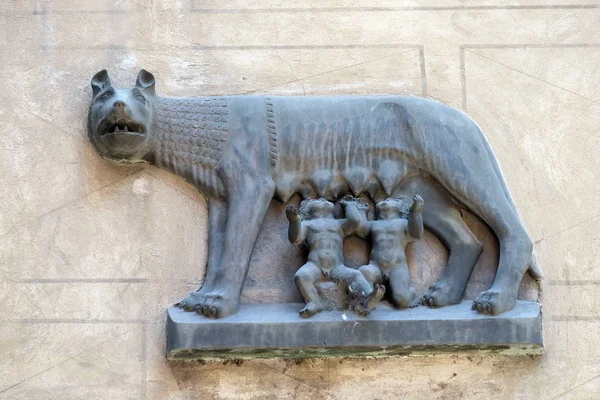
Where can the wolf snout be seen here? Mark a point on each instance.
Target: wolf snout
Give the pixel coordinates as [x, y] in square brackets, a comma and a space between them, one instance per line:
[120, 110]
[119, 104]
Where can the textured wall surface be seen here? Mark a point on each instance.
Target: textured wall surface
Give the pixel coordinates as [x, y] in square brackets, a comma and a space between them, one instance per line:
[91, 255]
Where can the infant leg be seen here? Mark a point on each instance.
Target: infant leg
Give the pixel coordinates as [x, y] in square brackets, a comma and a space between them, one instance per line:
[356, 282]
[375, 297]
[365, 296]
[372, 274]
[305, 279]
[403, 295]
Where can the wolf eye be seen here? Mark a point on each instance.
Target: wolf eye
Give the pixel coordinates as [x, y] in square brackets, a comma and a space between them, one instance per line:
[140, 97]
[106, 95]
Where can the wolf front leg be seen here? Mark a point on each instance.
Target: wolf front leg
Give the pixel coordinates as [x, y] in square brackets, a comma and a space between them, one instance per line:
[217, 223]
[247, 206]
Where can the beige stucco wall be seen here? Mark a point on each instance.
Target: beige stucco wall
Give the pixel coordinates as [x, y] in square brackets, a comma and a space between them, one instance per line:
[90, 254]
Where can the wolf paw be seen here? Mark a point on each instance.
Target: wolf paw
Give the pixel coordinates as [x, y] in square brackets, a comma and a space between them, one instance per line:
[494, 301]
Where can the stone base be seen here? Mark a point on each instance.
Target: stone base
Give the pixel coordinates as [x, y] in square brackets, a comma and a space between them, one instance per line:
[276, 330]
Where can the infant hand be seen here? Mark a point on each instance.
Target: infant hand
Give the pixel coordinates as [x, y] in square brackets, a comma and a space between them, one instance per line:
[417, 203]
[347, 200]
[292, 213]
[361, 204]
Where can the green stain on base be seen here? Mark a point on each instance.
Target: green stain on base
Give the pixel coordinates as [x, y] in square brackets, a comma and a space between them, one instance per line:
[515, 349]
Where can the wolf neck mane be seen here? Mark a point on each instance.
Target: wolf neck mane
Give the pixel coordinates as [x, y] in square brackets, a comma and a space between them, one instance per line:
[189, 137]
[192, 131]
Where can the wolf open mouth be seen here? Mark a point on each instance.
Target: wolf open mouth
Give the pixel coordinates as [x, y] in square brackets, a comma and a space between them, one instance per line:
[122, 126]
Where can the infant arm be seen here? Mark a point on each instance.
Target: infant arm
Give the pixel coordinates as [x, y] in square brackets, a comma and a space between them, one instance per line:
[415, 218]
[296, 230]
[356, 217]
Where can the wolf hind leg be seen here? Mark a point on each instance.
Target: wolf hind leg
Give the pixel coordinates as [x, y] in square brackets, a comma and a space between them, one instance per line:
[515, 257]
[442, 217]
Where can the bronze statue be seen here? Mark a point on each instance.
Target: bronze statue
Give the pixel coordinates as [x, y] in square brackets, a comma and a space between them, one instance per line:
[241, 151]
[324, 235]
[390, 234]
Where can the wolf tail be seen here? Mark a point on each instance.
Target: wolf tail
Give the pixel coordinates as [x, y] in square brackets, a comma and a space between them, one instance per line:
[534, 268]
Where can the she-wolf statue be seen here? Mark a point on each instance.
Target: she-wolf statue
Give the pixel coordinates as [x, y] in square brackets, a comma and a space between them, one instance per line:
[242, 151]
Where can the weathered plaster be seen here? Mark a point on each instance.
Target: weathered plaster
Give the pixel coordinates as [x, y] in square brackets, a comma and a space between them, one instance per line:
[91, 255]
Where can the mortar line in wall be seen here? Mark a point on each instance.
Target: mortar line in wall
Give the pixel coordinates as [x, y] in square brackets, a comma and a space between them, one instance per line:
[70, 321]
[528, 45]
[97, 281]
[72, 12]
[244, 47]
[423, 71]
[311, 47]
[144, 346]
[323, 47]
[574, 318]
[84, 280]
[573, 282]
[102, 280]
[288, 10]
[463, 78]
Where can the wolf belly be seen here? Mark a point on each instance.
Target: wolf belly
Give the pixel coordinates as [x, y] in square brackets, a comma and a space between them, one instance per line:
[327, 147]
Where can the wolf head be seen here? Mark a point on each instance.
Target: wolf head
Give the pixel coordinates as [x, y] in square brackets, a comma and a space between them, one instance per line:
[120, 120]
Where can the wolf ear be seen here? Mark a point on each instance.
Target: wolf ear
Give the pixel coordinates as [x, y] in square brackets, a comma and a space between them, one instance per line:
[100, 81]
[145, 81]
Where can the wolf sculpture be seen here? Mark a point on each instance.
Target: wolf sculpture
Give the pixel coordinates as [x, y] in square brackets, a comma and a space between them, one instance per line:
[242, 151]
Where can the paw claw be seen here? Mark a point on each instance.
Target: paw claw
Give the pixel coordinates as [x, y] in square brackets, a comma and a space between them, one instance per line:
[494, 301]
[212, 304]
[186, 305]
[310, 309]
[444, 293]
[406, 300]
[363, 312]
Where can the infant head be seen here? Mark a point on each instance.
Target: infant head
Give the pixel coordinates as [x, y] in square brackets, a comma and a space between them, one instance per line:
[316, 208]
[390, 208]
